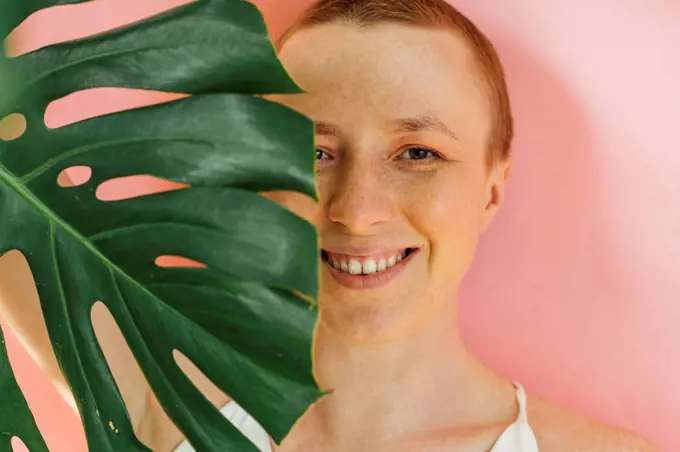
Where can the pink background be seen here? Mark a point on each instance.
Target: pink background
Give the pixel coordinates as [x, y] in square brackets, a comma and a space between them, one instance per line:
[575, 291]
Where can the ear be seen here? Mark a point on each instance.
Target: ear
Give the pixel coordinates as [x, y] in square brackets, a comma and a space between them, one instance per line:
[495, 189]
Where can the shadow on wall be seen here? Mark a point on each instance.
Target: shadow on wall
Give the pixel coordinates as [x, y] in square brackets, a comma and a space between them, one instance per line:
[515, 281]
[545, 302]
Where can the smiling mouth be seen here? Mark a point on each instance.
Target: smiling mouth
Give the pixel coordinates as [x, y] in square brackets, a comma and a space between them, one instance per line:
[366, 265]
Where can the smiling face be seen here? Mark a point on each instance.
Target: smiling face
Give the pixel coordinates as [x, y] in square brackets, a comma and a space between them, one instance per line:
[403, 121]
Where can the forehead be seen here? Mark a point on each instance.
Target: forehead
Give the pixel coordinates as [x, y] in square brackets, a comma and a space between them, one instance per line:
[378, 72]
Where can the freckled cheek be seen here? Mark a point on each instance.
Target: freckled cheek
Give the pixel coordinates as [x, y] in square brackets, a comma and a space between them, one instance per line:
[449, 221]
[300, 204]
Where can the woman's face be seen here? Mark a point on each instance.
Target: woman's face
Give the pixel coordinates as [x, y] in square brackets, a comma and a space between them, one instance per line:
[402, 120]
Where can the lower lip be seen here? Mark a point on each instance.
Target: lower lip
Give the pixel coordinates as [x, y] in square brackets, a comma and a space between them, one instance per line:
[370, 281]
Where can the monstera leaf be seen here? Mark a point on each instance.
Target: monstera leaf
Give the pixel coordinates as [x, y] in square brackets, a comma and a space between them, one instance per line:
[246, 317]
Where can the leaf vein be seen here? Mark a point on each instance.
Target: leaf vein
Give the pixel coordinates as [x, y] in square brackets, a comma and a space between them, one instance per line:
[110, 233]
[52, 162]
[85, 60]
[64, 305]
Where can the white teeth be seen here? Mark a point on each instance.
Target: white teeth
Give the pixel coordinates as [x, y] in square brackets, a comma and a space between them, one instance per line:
[366, 266]
[369, 266]
[354, 267]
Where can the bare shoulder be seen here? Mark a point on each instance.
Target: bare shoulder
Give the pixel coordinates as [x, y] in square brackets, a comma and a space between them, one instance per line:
[558, 429]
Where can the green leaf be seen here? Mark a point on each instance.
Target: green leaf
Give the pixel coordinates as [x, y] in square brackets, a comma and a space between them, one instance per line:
[17, 419]
[238, 319]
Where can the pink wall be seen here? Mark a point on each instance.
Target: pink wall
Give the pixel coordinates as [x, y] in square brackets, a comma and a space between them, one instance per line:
[575, 291]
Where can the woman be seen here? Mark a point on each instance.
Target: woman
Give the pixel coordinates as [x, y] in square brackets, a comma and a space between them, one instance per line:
[413, 137]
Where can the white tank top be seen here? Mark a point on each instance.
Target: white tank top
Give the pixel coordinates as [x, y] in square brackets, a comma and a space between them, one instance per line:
[518, 437]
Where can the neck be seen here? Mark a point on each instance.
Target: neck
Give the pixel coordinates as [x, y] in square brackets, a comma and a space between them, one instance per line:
[418, 383]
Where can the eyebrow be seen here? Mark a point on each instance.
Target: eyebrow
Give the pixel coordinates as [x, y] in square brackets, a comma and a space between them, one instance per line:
[325, 128]
[423, 124]
[414, 124]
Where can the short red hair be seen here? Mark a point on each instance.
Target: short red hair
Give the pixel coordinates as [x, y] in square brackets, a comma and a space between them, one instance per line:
[425, 13]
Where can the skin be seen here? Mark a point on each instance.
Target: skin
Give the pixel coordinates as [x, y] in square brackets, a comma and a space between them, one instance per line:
[360, 83]
[382, 187]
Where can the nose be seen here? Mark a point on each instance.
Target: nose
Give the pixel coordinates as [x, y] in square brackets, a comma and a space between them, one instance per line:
[360, 200]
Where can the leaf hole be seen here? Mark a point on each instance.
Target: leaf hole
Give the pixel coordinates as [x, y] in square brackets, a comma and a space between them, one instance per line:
[74, 176]
[17, 283]
[128, 187]
[12, 127]
[178, 261]
[18, 445]
[209, 389]
[126, 372]
[94, 102]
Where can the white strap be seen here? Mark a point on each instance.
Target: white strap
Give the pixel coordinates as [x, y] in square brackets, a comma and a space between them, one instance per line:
[522, 402]
[245, 423]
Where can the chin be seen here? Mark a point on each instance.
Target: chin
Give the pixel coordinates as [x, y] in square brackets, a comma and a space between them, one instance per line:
[376, 318]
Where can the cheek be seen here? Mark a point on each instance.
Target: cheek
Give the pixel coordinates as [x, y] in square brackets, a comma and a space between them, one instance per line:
[444, 215]
[301, 205]
[452, 197]
[449, 215]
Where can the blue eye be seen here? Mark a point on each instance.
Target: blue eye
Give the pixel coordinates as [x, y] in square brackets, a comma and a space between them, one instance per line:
[418, 153]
